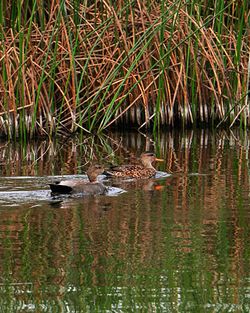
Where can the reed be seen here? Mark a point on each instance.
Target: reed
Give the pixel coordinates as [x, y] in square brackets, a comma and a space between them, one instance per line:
[68, 66]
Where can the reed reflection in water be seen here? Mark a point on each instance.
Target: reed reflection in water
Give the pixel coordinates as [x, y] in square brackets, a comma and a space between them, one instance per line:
[174, 244]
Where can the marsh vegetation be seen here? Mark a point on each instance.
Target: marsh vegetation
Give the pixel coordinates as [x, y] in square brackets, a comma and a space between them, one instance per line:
[84, 65]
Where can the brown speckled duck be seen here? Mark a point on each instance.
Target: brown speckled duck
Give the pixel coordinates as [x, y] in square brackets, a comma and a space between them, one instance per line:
[80, 186]
[145, 170]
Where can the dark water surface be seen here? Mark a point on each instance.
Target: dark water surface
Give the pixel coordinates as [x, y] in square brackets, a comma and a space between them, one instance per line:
[176, 243]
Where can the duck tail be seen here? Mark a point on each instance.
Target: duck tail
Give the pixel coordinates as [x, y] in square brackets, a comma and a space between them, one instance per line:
[56, 188]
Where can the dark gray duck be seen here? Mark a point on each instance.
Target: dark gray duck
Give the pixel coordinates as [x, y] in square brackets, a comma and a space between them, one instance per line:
[80, 186]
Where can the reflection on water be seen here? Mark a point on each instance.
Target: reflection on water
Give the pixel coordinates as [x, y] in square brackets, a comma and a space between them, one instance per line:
[178, 243]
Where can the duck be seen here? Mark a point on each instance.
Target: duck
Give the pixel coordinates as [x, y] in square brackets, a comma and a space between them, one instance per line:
[143, 171]
[80, 186]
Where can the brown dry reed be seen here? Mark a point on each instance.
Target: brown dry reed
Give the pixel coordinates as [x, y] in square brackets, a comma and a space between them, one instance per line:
[85, 65]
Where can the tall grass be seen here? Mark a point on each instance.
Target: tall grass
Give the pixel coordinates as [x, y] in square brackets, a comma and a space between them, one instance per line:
[86, 65]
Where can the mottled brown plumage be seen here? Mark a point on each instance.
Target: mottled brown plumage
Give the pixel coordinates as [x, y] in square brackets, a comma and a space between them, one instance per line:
[145, 170]
[80, 186]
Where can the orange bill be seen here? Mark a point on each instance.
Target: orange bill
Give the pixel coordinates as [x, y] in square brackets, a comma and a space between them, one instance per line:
[159, 160]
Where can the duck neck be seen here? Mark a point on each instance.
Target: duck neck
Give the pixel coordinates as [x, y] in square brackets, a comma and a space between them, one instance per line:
[92, 177]
[147, 164]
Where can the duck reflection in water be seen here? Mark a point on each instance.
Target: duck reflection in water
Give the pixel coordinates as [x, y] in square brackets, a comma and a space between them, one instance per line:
[80, 186]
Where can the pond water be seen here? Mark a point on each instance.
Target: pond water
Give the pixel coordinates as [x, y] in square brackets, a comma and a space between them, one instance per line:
[177, 243]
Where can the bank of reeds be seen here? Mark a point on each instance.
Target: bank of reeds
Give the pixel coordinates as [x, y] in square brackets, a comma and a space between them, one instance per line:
[90, 65]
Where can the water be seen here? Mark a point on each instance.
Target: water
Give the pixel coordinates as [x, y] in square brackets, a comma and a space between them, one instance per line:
[176, 243]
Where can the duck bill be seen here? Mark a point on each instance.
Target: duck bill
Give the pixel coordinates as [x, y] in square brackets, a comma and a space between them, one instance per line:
[159, 160]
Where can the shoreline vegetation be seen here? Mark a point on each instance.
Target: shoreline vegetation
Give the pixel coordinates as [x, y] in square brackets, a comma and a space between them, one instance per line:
[68, 66]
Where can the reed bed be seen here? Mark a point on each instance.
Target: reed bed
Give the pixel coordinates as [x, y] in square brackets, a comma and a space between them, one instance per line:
[91, 65]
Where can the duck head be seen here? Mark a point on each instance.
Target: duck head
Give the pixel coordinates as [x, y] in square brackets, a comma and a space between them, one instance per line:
[147, 158]
[93, 171]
